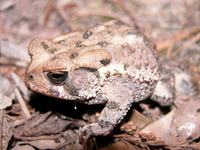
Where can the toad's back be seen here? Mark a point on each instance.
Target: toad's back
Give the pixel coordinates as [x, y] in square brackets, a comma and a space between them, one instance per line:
[129, 51]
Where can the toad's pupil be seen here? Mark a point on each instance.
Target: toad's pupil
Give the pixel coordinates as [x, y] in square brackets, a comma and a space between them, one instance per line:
[57, 77]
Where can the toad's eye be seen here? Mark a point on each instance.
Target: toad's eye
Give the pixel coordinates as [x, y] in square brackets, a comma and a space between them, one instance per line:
[57, 77]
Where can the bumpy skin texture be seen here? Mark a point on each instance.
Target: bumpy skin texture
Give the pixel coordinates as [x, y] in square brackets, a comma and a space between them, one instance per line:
[111, 63]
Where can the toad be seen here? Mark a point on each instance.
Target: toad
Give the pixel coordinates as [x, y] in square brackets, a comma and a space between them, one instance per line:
[111, 64]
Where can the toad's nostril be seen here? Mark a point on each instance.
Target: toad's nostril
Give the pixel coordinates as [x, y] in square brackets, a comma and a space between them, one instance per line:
[27, 83]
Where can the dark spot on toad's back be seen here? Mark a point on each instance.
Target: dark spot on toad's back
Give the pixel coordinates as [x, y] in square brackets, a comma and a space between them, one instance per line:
[119, 23]
[103, 44]
[165, 80]
[87, 34]
[107, 75]
[138, 66]
[146, 64]
[130, 50]
[44, 45]
[109, 32]
[136, 33]
[79, 44]
[105, 61]
[73, 55]
[126, 66]
[52, 50]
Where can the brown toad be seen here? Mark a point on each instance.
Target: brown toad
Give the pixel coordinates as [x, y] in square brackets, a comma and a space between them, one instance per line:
[110, 63]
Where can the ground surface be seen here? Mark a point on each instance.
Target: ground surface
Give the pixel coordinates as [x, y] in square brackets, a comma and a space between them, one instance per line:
[32, 121]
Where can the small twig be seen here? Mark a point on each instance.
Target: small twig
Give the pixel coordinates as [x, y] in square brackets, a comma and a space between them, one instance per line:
[65, 17]
[188, 43]
[178, 37]
[48, 10]
[22, 103]
[43, 137]
[63, 144]
[170, 49]
[102, 13]
[122, 136]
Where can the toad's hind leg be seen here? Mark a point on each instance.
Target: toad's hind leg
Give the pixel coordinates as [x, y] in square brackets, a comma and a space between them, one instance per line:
[119, 102]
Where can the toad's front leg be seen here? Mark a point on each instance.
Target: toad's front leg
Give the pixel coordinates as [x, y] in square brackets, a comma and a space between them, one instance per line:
[119, 102]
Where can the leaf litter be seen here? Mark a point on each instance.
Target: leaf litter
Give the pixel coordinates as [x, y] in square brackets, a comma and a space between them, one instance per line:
[38, 122]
